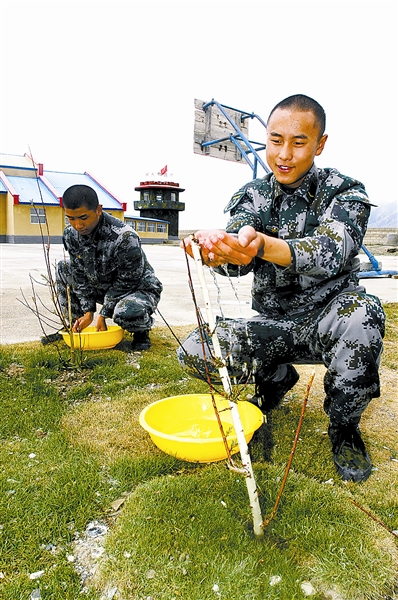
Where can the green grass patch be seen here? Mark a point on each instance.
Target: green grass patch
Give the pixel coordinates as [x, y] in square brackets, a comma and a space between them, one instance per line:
[71, 445]
[206, 540]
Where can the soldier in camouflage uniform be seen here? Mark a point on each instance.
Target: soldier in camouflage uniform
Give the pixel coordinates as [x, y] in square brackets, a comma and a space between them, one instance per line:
[106, 266]
[300, 229]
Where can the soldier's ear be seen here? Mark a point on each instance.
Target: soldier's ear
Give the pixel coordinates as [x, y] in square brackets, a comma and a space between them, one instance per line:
[99, 210]
[321, 144]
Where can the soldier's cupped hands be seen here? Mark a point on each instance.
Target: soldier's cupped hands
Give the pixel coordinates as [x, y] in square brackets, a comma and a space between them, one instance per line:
[219, 247]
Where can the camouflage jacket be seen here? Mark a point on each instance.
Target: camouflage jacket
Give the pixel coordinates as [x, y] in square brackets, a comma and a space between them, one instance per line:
[323, 221]
[109, 262]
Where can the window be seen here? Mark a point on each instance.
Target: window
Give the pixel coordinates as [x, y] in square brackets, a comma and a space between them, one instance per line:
[146, 197]
[173, 196]
[37, 215]
[161, 227]
[141, 226]
[159, 196]
[151, 226]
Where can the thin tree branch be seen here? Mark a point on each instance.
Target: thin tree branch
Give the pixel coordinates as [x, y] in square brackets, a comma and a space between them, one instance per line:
[268, 519]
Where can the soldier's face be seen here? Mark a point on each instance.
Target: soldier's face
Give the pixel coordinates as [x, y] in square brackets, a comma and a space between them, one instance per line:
[83, 219]
[293, 141]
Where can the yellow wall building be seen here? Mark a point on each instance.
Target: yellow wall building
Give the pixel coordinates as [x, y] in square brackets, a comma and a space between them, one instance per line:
[31, 203]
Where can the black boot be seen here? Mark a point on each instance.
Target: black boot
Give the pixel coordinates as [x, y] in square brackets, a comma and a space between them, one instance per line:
[349, 452]
[269, 393]
[51, 338]
[141, 341]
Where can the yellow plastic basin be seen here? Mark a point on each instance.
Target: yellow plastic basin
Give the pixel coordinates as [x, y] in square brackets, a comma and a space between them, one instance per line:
[89, 339]
[186, 426]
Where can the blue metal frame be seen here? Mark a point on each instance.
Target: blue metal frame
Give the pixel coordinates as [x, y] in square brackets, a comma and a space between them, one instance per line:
[377, 270]
[238, 137]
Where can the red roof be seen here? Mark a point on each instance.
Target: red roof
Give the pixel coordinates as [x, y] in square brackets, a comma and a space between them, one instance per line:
[159, 185]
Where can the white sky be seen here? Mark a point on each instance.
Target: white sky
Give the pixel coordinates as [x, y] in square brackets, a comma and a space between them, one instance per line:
[108, 87]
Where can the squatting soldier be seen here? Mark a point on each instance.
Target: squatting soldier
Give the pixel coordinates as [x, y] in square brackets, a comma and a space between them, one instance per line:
[106, 266]
[300, 229]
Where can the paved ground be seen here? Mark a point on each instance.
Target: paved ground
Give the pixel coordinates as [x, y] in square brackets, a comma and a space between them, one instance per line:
[22, 267]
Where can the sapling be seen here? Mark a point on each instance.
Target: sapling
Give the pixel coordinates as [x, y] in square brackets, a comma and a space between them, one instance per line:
[44, 314]
[247, 469]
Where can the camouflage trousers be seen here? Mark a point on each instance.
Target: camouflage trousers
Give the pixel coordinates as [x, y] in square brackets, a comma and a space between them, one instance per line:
[133, 312]
[346, 336]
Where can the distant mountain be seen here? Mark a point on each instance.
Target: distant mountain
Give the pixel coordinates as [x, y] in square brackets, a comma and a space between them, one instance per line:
[385, 215]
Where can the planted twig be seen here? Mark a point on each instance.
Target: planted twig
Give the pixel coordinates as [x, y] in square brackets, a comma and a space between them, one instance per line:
[247, 469]
[376, 519]
[268, 519]
[49, 282]
[71, 336]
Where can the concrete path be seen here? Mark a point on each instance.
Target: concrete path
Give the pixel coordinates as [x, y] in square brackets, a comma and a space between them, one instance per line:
[22, 267]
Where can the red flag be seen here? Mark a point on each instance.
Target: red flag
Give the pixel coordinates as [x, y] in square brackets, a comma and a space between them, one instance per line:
[163, 171]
